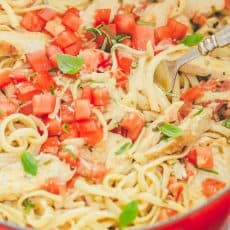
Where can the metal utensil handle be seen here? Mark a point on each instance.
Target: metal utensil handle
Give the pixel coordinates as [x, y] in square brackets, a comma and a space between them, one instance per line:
[219, 39]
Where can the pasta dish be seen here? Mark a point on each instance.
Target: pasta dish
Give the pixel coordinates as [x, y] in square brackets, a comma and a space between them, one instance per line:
[91, 136]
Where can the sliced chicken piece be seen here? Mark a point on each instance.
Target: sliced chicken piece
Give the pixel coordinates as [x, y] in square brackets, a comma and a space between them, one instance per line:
[15, 182]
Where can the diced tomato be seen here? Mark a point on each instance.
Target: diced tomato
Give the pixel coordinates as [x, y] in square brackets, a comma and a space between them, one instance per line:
[192, 94]
[52, 51]
[71, 131]
[51, 146]
[4, 77]
[192, 157]
[18, 75]
[65, 39]
[121, 78]
[71, 182]
[47, 14]
[133, 123]
[55, 27]
[26, 108]
[166, 213]
[39, 61]
[178, 29]
[227, 4]
[43, 104]
[176, 189]
[86, 93]
[73, 10]
[67, 113]
[127, 42]
[65, 156]
[204, 157]
[75, 48]
[7, 107]
[100, 97]
[32, 22]
[93, 58]
[71, 20]
[211, 85]
[102, 16]
[124, 61]
[211, 186]
[54, 185]
[141, 36]
[26, 91]
[95, 172]
[199, 19]
[82, 109]
[53, 126]
[163, 45]
[44, 82]
[162, 33]
[185, 109]
[125, 23]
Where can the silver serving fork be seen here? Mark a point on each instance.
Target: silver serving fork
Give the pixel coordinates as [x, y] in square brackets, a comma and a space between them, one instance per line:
[219, 39]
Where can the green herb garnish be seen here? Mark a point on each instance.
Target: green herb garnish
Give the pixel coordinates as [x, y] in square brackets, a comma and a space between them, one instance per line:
[192, 40]
[65, 128]
[227, 123]
[52, 90]
[29, 163]
[198, 112]
[170, 94]
[171, 130]
[128, 214]
[208, 170]
[28, 205]
[69, 64]
[141, 22]
[123, 148]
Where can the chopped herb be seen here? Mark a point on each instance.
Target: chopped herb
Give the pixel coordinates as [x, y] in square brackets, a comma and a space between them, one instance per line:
[104, 44]
[69, 151]
[128, 214]
[123, 148]
[208, 170]
[28, 205]
[204, 78]
[29, 163]
[141, 22]
[192, 40]
[94, 31]
[171, 130]
[121, 37]
[65, 128]
[198, 112]
[52, 90]
[227, 123]
[69, 64]
[170, 94]
[52, 70]
[31, 75]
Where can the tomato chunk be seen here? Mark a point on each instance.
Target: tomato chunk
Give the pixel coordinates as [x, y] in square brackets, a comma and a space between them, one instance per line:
[211, 186]
[86, 93]
[52, 51]
[68, 157]
[162, 32]
[125, 23]
[39, 61]
[51, 146]
[75, 48]
[53, 126]
[26, 91]
[192, 94]
[5, 77]
[43, 104]
[124, 62]
[102, 16]
[18, 75]
[47, 14]
[69, 131]
[71, 20]
[100, 97]
[121, 78]
[54, 185]
[26, 108]
[32, 22]
[141, 36]
[178, 29]
[45, 82]
[133, 124]
[82, 109]
[67, 113]
[55, 26]
[176, 189]
[65, 39]
[7, 107]
[192, 157]
[204, 157]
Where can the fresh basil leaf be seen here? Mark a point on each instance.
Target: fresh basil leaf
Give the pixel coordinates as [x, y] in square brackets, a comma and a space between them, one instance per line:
[28, 205]
[208, 170]
[69, 64]
[128, 214]
[65, 128]
[198, 112]
[171, 130]
[227, 123]
[141, 22]
[29, 163]
[192, 40]
[123, 148]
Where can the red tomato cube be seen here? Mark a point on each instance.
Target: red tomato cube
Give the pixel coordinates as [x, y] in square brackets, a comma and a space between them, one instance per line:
[100, 97]
[71, 20]
[47, 14]
[125, 23]
[65, 39]
[55, 27]
[102, 16]
[75, 48]
[82, 109]
[4, 77]
[26, 91]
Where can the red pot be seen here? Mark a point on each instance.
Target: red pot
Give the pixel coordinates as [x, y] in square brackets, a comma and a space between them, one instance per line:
[210, 216]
